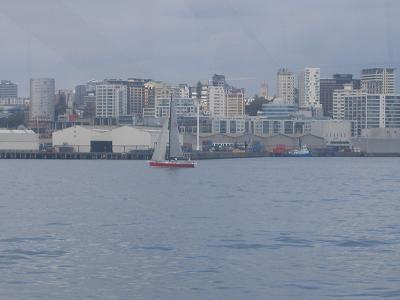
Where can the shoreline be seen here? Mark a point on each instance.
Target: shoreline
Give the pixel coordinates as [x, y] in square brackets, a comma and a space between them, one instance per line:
[146, 155]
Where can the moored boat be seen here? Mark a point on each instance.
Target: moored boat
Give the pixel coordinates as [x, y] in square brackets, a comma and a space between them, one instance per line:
[302, 152]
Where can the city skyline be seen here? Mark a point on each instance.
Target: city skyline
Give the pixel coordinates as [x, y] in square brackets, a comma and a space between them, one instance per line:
[185, 41]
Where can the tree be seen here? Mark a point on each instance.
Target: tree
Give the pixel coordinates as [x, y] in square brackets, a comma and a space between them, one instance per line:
[256, 105]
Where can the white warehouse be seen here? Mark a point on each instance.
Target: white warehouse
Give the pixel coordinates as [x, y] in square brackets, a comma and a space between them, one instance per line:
[19, 140]
[99, 139]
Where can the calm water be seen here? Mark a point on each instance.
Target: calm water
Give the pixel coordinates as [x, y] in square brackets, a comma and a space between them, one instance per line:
[289, 228]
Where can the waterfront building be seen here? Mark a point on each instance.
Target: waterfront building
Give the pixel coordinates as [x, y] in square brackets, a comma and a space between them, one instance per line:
[8, 89]
[278, 109]
[369, 110]
[111, 102]
[42, 93]
[18, 140]
[378, 141]
[327, 87]
[216, 96]
[378, 80]
[188, 124]
[105, 139]
[309, 88]
[285, 86]
[270, 133]
[229, 125]
[337, 133]
[235, 104]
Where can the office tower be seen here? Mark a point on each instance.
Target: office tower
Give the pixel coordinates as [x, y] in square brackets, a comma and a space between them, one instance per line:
[184, 90]
[216, 100]
[201, 91]
[338, 99]
[285, 86]
[309, 88]
[111, 101]
[234, 105]
[80, 94]
[155, 93]
[219, 80]
[42, 93]
[136, 96]
[368, 110]
[8, 89]
[327, 87]
[378, 80]
[264, 91]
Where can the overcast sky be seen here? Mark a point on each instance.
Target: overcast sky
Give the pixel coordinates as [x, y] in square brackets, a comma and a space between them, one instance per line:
[189, 40]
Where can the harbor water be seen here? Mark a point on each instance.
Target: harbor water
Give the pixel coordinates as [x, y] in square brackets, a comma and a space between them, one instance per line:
[260, 228]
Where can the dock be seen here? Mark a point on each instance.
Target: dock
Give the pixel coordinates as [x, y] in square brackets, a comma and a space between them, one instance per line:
[132, 155]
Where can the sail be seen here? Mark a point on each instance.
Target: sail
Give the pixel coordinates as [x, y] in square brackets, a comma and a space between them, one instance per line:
[174, 144]
[160, 148]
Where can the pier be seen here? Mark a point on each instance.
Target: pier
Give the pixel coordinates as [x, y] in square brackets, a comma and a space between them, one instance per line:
[132, 155]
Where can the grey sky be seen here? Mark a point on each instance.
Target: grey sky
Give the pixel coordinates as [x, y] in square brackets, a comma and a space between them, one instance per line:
[189, 40]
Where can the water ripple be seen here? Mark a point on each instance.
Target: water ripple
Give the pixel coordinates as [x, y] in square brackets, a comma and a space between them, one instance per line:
[40, 253]
[25, 239]
[361, 243]
[156, 248]
[243, 246]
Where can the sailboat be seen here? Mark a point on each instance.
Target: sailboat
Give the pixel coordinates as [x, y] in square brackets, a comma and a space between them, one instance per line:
[171, 156]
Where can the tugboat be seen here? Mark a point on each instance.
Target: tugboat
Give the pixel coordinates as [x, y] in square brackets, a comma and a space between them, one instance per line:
[170, 156]
[303, 152]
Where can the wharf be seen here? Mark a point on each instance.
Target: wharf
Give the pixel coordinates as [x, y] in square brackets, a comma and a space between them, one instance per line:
[227, 155]
[146, 155]
[133, 155]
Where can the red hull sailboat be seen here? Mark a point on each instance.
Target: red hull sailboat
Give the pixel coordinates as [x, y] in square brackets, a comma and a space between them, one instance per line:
[172, 164]
[170, 156]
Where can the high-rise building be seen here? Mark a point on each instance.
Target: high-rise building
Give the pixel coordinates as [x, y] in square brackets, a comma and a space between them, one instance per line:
[184, 90]
[367, 110]
[201, 91]
[155, 92]
[111, 101]
[42, 93]
[285, 86]
[234, 102]
[80, 94]
[264, 91]
[327, 87]
[183, 107]
[378, 80]
[136, 96]
[219, 80]
[216, 100]
[8, 89]
[338, 99]
[309, 88]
